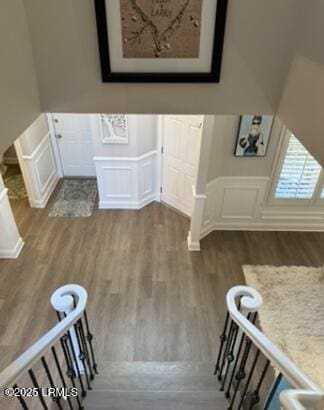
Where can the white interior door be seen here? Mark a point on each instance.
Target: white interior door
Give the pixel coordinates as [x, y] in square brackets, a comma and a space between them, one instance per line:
[73, 134]
[181, 145]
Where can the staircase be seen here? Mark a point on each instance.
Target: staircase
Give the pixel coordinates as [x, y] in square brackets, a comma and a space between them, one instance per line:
[64, 359]
[156, 385]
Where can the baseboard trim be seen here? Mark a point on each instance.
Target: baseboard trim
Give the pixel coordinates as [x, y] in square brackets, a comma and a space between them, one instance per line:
[12, 253]
[207, 230]
[263, 227]
[41, 203]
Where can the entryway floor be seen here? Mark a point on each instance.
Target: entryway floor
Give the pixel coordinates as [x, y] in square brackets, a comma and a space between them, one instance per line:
[149, 298]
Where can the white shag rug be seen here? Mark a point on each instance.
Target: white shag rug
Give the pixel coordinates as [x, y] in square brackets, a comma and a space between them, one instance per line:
[292, 315]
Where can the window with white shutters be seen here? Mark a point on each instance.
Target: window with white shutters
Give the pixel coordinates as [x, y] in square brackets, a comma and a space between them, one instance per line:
[299, 174]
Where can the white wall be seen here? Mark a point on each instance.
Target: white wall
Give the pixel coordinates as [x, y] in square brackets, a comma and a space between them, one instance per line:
[301, 107]
[19, 99]
[259, 42]
[37, 162]
[141, 138]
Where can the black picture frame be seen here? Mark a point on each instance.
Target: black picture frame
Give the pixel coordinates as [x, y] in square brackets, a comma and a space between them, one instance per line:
[115, 77]
[269, 131]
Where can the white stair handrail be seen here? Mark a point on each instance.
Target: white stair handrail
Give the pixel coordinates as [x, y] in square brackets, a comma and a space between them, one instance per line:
[308, 391]
[63, 298]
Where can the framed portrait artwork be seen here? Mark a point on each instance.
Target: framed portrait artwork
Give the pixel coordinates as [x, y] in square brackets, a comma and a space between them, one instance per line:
[253, 135]
[160, 40]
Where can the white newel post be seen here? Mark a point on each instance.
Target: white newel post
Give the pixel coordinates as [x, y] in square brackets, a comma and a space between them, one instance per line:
[10, 241]
[199, 189]
[65, 304]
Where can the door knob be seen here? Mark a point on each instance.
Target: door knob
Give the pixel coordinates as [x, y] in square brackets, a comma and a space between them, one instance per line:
[58, 136]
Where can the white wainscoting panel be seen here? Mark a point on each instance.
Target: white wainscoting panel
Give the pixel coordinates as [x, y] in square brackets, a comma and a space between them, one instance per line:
[233, 203]
[126, 182]
[241, 200]
[118, 183]
[240, 203]
[39, 171]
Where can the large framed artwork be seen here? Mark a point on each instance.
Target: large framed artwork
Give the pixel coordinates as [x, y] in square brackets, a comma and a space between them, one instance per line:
[253, 135]
[160, 40]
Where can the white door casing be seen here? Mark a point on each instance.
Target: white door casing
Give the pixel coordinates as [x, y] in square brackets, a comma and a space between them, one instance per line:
[75, 145]
[181, 145]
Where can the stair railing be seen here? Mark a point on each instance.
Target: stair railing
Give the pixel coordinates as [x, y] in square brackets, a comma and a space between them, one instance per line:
[236, 363]
[74, 338]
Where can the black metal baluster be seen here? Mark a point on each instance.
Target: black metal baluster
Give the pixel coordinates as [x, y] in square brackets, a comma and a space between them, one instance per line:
[70, 369]
[89, 338]
[255, 396]
[69, 363]
[57, 400]
[228, 391]
[35, 384]
[61, 374]
[222, 338]
[240, 375]
[273, 391]
[21, 399]
[227, 346]
[230, 355]
[85, 347]
[82, 354]
[83, 391]
[249, 378]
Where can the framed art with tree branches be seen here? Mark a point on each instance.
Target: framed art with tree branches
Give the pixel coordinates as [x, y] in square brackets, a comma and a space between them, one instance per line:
[161, 40]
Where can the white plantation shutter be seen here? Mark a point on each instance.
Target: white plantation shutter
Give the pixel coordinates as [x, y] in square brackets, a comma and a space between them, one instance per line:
[299, 173]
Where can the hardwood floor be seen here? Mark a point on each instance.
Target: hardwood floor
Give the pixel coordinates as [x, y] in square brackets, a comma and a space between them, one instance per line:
[149, 298]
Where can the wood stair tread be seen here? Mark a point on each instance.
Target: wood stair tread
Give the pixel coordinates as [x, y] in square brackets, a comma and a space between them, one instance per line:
[175, 368]
[128, 400]
[155, 386]
[156, 383]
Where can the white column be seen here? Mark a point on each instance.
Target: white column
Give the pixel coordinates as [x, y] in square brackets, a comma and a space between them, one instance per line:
[199, 189]
[10, 241]
[196, 221]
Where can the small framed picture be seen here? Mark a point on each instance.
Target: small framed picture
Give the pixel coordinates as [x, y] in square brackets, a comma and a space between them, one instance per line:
[160, 40]
[113, 128]
[253, 135]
